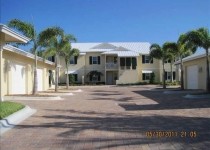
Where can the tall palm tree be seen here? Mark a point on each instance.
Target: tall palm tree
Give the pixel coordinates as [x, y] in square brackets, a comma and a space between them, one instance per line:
[156, 51]
[181, 49]
[54, 39]
[171, 55]
[201, 38]
[28, 30]
[68, 52]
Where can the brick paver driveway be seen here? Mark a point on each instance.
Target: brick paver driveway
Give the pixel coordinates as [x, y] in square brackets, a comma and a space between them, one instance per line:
[114, 118]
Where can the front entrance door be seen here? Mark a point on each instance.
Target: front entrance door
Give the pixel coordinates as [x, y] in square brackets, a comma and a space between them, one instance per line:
[109, 78]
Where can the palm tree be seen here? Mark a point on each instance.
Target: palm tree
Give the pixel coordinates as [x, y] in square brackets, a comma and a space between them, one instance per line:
[201, 38]
[171, 55]
[67, 53]
[28, 30]
[158, 52]
[54, 40]
[181, 49]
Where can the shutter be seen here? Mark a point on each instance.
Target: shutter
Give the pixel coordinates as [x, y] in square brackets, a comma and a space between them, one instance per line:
[75, 77]
[53, 58]
[99, 60]
[99, 78]
[143, 76]
[122, 61]
[75, 59]
[165, 75]
[134, 63]
[174, 75]
[143, 59]
[90, 60]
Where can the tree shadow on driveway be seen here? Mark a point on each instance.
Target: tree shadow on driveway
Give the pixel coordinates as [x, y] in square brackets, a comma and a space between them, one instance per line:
[167, 101]
[125, 130]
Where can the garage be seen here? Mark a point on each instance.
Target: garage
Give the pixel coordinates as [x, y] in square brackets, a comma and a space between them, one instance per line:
[40, 79]
[192, 77]
[18, 79]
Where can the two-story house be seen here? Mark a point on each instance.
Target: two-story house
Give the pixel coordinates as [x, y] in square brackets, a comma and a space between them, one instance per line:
[118, 63]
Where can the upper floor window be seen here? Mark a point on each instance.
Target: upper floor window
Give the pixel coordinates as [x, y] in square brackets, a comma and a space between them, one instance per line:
[146, 59]
[128, 62]
[168, 61]
[73, 60]
[94, 60]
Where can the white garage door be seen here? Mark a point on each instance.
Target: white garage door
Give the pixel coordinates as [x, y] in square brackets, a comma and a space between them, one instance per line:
[18, 79]
[192, 77]
[40, 79]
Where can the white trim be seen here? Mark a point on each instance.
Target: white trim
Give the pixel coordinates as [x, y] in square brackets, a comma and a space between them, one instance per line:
[24, 53]
[147, 71]
[71, 72]
[10, 32]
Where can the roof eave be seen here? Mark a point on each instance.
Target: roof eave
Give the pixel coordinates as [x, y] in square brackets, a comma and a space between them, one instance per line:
[19, 38]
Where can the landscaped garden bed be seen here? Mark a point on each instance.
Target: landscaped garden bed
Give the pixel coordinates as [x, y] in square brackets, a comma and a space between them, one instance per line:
[8, 108]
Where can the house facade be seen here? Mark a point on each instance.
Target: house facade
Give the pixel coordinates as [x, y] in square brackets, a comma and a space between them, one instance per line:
[117, 63]
[194, 67]
[17, 66]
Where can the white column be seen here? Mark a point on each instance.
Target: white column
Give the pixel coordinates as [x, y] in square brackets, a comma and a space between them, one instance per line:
[1, 68]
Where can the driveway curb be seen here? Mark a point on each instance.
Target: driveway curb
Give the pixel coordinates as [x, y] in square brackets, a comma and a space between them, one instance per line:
[32, 98]
[14, 119]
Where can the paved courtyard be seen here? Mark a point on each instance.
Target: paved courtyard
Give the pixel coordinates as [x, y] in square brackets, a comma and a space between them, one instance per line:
[114, 118]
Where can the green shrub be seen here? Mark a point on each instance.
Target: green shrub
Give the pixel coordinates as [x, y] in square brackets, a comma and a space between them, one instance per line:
[8, 108]
[152, 78]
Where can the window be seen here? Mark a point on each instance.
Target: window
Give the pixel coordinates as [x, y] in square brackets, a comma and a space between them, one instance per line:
[52, 58]
[146, 59]
[167, 61]
[146, 76]
[94, 60]
[73, 60]
[128, 62]
[168, 75]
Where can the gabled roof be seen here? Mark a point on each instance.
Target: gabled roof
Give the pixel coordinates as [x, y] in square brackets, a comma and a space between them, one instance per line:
[24, 53]
[136, 47]
[104, 46]
[197, 55]
[11, 35]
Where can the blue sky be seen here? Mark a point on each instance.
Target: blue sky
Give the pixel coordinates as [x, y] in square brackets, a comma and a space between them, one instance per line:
[154, 21]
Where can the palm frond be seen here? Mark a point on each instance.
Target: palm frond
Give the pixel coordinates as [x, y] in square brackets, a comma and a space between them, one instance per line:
[25, 28]
[156, 51]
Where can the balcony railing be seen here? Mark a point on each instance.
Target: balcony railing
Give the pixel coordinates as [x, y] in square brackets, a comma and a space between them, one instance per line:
[111, 66]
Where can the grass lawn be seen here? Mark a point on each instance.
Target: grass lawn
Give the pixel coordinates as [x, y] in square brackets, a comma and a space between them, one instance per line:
[8, 108]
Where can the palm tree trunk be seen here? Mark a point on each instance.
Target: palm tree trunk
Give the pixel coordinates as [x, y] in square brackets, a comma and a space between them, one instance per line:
[56, 73]
[207, 71]
[67, 75]
[182, 74]
[171, 72]
[164, 82]
[35, 84]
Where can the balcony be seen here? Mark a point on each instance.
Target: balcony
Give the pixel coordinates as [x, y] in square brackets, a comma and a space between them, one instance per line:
[111, 66]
